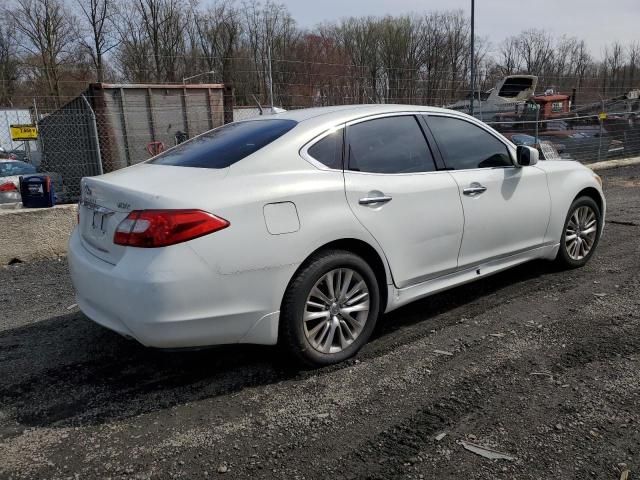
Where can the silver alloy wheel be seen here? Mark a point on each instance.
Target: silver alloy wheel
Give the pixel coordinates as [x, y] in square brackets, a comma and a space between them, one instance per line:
[581, 232]
[336, 310]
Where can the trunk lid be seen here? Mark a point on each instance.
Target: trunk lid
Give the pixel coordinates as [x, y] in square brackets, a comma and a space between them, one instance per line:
[107, 200]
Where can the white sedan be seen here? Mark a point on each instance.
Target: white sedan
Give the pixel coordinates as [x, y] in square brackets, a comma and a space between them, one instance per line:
[302, 228]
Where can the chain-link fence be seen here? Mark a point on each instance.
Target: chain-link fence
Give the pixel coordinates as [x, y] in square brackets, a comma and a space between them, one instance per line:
[21, 150]
[112, 126]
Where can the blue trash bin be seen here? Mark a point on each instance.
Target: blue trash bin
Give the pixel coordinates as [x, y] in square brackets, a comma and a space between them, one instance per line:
[37, 191]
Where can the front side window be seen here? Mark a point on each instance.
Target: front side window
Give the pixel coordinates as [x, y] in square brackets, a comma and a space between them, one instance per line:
[328, 150]
[389, 145]
[465, 145]
[224, 146]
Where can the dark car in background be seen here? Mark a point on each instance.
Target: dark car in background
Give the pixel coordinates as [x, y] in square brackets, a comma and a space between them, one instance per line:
[587, 145]
[576, 144]
[530, 141]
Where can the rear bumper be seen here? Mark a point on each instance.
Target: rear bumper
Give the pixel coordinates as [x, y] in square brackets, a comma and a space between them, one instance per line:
[172, 298]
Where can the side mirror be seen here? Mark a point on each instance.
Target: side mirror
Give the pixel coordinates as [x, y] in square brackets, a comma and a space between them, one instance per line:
[526, 156]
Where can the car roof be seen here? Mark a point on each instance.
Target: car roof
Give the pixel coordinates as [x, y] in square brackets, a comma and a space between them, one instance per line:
[342, 112]
[314, 121]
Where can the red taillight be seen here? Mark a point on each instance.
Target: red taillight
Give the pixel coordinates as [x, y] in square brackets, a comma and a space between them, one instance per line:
[159, 228]
[8, 187]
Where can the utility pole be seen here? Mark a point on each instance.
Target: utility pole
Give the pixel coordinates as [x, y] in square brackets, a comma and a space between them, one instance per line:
[473, 67]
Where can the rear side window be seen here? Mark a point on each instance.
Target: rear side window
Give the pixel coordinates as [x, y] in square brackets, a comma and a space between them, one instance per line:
[226, 145]
[328, 150]
[465, 145]
[389, 145]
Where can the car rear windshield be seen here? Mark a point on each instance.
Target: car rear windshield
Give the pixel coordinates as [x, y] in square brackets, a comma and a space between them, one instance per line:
[226, 145]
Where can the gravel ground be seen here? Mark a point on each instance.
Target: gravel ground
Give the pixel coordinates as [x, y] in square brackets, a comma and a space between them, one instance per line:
[544, 366]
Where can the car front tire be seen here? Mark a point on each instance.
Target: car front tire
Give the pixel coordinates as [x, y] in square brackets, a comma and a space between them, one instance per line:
[581, 233]
[330, 308]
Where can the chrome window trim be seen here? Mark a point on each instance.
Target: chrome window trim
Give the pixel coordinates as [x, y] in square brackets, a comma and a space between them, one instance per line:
[304, 151]
[395, 114]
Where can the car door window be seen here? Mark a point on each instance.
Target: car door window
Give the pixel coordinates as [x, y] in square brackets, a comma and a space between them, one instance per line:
[465, 145]
[328, 150]
[389, 145]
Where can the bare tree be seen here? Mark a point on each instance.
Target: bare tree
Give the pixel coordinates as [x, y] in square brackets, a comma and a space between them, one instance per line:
[133, 56]
[269, 27]
[164, 23]
[359, 39]
[9, 61]
[98, 15]
[536, 50]
[48, 35]
[218, 31]
[613, 67]
[413, 58]
[509, 59]
[402, 56]
[633, 55]
[457, 34]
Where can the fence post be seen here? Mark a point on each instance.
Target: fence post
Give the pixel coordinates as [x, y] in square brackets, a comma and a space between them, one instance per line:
[601, 124]
[185, 113]
[537, 120]
[94, 134]
[125, 126]
[227, 102]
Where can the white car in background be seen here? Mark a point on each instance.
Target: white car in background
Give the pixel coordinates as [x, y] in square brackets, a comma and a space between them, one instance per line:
[10, 172]
[303, 227]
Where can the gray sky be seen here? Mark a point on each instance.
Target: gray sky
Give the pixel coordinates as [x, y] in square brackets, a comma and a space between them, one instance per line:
[598, 22]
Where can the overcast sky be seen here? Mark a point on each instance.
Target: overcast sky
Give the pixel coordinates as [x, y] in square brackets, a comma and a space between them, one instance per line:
[598, 22]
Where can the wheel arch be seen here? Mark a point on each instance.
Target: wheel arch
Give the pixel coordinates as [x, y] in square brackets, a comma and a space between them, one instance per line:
[594, 194]
[370, 254]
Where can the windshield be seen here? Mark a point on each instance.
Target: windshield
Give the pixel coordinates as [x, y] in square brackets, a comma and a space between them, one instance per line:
[224, 146]
[11, 169]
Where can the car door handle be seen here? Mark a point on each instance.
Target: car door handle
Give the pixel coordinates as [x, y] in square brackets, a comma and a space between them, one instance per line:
[374, 200]
[474, 189]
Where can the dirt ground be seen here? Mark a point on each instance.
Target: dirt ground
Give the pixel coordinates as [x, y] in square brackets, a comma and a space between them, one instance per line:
[544, 366]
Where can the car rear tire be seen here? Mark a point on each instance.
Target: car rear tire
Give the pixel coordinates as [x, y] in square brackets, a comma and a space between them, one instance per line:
[581, 233]
[330, 308]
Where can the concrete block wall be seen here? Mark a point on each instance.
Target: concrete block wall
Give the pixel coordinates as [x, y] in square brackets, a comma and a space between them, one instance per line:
[32, 233]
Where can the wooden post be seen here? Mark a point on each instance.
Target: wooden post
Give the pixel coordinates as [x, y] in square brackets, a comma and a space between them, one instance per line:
[125, 127]
[227, 102]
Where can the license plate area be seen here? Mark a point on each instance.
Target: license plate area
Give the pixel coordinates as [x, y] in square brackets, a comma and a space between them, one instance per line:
[99, 222]
[98, 217]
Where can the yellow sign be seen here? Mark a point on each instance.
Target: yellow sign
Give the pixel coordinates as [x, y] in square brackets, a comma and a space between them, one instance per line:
[602, 116]
[23, 132]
